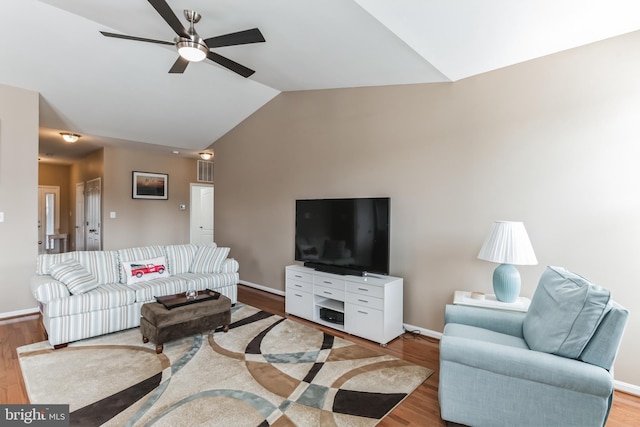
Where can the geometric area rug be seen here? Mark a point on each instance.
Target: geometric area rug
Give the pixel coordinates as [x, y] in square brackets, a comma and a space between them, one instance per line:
[266, 371]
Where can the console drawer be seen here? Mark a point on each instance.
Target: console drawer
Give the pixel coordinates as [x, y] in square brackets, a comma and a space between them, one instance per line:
[326, 292]
[364, 322]
[299, 303]
[299, 285]
[301, 276]
[328, 282]
[365, 289]
[365, 301]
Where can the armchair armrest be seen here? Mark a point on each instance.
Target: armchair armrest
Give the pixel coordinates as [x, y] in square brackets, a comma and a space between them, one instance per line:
[527, 365]
[505, 322]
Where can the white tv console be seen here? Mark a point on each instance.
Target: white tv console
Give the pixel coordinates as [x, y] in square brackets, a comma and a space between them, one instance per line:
[372, 305]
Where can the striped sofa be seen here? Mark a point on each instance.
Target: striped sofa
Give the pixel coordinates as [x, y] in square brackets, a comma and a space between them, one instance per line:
[88, 293]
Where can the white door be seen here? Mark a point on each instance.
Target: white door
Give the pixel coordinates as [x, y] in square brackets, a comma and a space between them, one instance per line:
[201, 213]
[80, 216]
[48, 215]
[93, 215]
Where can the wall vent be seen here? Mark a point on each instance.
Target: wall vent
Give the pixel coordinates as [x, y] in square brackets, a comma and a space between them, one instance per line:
[205, 171]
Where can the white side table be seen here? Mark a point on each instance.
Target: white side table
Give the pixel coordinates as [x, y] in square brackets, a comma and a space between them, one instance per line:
[490, 301]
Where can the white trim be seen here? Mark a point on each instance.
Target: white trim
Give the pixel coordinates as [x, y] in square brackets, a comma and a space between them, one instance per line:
[19, 312]
[422, 331]
[626, 387]
[262, 288]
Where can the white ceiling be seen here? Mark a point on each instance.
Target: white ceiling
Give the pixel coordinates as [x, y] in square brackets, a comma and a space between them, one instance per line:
[119, 92]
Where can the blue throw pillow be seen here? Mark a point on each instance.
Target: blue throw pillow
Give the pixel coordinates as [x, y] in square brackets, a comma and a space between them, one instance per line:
[565, 311]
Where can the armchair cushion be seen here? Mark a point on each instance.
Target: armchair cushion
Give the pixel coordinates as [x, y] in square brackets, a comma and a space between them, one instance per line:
[565, 311]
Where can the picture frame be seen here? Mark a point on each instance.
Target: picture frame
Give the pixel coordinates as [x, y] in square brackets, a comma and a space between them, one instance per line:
[150, 186]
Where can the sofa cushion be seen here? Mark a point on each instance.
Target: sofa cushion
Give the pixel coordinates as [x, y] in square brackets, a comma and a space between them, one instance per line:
[76, 278]
[133, 254]
[565, 311]
[101, 298]
[208, 259]
[145, 269]
[179, 257]
[149, 290]
[102, 264]
[201, 282]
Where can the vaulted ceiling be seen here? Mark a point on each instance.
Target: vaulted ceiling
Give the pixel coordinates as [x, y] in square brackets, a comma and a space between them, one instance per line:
[119, 92]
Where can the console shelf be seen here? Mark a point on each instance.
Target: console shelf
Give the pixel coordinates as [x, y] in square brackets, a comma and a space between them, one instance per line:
[371, 305]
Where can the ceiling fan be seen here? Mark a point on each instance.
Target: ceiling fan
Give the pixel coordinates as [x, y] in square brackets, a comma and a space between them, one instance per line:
[191, 47]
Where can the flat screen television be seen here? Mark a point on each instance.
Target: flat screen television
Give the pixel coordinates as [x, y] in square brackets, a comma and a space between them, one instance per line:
[343, 236]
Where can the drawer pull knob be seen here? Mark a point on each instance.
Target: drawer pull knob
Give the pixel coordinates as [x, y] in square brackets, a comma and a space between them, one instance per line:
[298, 295]
[298, 286]
[327, 282]
[363, 300]
[328, 293]
[362, 312]
[298, 276]
[363, 289]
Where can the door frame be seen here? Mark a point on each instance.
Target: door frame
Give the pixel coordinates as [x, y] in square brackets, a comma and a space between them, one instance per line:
[79, 238]
[192, 186]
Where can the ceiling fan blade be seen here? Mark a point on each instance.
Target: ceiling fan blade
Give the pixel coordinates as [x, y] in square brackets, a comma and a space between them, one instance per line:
[167, 14]
[241, 37]
[140, 39]
[179, 66]
[232, 65]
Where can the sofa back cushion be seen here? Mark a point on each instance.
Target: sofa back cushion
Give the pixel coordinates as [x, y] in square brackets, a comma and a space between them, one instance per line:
[179, 257]
[77, 278]
[137, 254]
[208, 259]
[565, 312]
[103, 265]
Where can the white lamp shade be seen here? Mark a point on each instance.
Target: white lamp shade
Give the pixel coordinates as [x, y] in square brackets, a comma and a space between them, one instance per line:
[508, 243]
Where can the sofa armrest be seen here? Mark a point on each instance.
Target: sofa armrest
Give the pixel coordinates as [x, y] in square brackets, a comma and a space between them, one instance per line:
[527, 365]
[505, 322]
[45, 288]
[230, 265]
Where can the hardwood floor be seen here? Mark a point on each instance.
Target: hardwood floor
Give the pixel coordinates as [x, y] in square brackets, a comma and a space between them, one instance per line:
[421, 408]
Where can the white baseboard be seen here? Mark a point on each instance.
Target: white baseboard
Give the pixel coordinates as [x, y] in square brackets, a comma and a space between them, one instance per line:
[422, 331]
[626, 387]
[262, 288]
[19, 313]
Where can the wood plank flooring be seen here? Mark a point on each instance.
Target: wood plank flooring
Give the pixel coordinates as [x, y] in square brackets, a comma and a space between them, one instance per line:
[421, 408]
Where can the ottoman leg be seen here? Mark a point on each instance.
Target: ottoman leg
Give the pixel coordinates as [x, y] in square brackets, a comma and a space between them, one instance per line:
[226, 328]
[145, 340]
[159, 348]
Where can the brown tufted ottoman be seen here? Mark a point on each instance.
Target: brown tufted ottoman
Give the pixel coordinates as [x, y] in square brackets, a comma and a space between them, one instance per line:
[160, 325]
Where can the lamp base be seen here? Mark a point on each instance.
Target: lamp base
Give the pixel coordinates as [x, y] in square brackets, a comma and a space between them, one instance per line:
[506, 283]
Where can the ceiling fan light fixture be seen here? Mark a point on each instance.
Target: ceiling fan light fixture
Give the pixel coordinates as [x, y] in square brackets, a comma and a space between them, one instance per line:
[70, 137]
[206, 156]
[192, 50]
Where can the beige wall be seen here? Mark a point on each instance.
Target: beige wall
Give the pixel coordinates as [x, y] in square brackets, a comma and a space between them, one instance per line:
[59, 176]
[18, 197]
[145, 222]
[551, 142]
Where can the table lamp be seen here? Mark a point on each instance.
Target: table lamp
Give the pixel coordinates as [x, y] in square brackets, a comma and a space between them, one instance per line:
[507, 244]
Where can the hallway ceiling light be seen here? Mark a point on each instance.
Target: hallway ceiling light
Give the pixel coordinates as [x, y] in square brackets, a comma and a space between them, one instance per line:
[70, 137]
[206, 156]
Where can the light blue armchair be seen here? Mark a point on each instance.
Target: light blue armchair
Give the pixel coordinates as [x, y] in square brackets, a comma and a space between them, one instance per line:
[548, 367]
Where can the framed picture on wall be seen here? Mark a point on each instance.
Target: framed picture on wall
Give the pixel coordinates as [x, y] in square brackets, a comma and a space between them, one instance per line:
[148, 185]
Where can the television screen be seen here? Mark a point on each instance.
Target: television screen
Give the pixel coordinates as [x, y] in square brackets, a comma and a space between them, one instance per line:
[344, 236]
